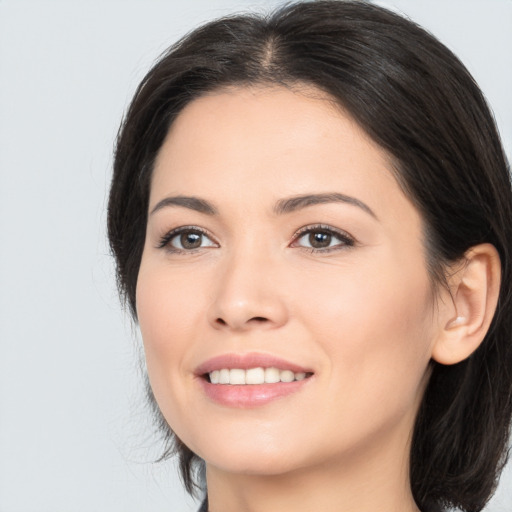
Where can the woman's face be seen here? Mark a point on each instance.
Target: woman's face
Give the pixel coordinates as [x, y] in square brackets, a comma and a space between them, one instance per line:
[279, 244]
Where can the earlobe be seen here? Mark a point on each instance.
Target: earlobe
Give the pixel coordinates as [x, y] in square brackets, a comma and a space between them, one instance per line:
[474, 290]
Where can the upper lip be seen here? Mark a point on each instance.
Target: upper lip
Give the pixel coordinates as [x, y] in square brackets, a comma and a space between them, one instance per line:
[247, 361]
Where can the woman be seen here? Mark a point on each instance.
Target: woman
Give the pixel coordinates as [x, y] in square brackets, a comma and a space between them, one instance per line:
[311, 218]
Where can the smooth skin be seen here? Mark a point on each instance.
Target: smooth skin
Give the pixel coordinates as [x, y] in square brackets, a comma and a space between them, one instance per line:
[340, 286]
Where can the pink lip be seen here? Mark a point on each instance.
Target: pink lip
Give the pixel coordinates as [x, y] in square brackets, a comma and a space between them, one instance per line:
[253, 395]
[246, 361]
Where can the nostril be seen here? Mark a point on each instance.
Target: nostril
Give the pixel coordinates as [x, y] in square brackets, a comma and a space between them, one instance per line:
[234, 323]
[259, 319]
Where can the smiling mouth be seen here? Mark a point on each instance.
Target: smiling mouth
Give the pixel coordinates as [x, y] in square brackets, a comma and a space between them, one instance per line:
[254, 376]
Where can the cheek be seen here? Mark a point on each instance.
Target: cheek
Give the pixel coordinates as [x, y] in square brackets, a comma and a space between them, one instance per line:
[375, 328]
[167, 310]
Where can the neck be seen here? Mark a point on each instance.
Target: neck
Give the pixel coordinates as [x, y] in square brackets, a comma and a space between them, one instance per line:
[376, 478]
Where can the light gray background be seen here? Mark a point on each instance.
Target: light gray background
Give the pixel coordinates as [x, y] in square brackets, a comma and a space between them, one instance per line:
[73, 431]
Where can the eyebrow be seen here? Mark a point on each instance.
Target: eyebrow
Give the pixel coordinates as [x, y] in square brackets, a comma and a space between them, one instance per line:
[192, 203]
[298, 202]
[283, 206]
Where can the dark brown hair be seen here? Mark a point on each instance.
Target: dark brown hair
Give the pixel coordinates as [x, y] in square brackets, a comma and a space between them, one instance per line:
[417, 101]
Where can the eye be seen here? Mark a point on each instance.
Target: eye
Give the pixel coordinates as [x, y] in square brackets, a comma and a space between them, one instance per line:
[185, 239]
[322, 238]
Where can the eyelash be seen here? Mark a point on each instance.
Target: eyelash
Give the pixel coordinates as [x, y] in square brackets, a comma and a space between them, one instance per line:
[344, 238]
[165, 241]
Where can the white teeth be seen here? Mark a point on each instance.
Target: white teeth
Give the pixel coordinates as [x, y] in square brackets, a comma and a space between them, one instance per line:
[259, 375]
[255, 376]
[287, 376]
[272, 375]
[237, 376]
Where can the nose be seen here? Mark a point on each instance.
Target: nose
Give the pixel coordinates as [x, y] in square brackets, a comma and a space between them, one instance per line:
[248, 295]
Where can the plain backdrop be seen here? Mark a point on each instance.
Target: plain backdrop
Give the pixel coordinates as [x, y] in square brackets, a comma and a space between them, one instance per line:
[74, 434]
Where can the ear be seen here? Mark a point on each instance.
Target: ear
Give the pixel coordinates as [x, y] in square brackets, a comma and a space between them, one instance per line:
[467, 315]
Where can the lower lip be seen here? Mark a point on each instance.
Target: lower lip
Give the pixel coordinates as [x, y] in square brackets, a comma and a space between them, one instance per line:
[250, 395]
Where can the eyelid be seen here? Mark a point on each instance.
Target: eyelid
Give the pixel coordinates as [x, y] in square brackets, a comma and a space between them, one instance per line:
[165, 239]
[345, 238]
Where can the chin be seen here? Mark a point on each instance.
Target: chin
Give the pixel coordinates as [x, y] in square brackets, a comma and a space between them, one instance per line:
[254, 465]
[249, 456]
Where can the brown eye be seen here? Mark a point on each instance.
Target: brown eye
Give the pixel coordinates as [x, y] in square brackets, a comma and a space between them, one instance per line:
[186, 239]
[319, 239]
[190, 240]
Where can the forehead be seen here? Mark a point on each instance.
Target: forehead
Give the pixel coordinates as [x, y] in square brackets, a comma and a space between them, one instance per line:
[270, 142]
